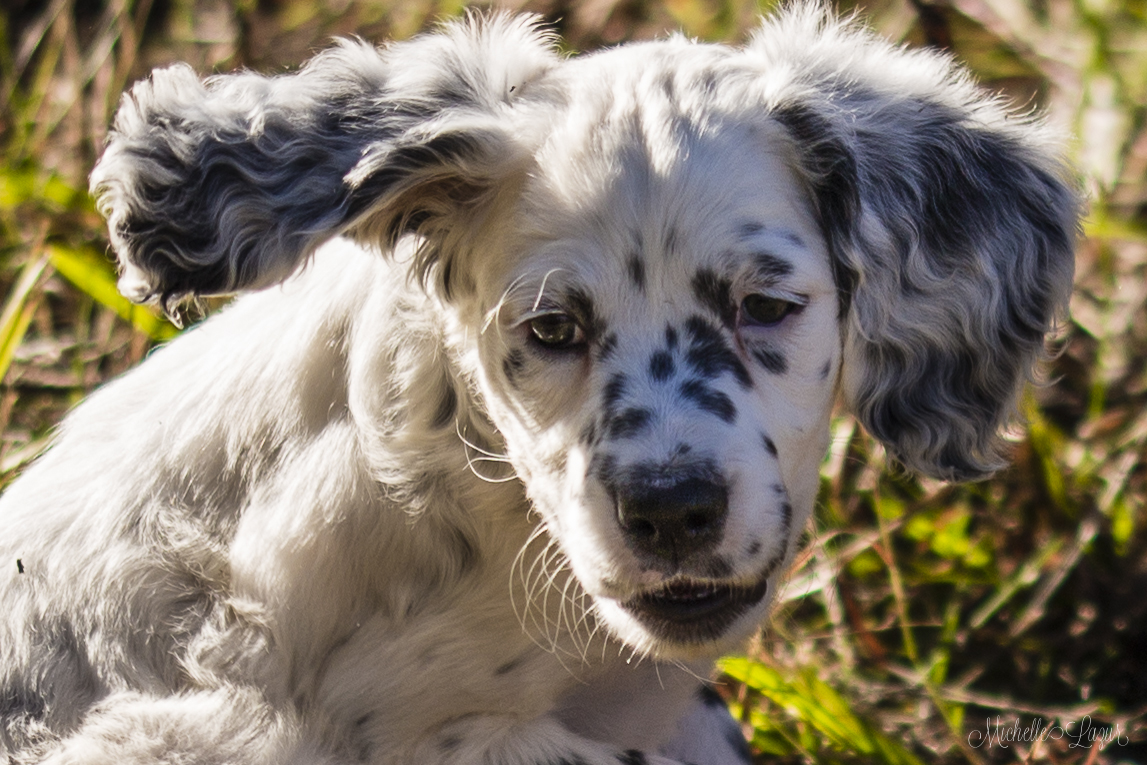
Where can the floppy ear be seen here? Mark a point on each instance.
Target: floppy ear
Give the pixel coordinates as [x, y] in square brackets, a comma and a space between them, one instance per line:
[951, 224]
[230, 183]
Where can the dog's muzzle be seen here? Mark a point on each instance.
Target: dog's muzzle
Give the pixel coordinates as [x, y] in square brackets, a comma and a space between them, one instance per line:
[676, 528]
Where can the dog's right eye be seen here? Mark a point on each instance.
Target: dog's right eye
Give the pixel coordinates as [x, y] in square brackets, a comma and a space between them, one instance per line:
[557, 330]
[764, 311]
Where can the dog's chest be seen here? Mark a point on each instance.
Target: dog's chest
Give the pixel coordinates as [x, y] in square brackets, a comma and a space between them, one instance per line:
[395, 681]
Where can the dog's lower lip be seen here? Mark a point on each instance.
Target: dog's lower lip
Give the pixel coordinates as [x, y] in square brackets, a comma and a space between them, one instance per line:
[700, 605]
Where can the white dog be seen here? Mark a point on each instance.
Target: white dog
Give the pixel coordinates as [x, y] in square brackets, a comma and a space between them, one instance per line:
[495, 484]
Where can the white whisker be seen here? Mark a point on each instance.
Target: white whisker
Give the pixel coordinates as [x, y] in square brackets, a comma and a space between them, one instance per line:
[495, 313]
[542, 287]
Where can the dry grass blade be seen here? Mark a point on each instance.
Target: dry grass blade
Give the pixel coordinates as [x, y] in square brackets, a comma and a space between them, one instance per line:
[18, 311]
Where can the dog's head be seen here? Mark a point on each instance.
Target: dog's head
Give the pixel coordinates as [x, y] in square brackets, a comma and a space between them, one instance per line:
[664, 264]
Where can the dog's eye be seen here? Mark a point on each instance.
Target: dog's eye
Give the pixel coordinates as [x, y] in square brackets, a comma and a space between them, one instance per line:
[766, 311]
[557, 330]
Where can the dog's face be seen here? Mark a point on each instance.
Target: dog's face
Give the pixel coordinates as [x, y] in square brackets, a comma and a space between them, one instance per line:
[659, 264]
[659, 345]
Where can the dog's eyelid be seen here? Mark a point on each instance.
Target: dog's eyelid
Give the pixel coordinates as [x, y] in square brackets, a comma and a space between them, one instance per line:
[542, 312]
[772, 292]
[799, 299]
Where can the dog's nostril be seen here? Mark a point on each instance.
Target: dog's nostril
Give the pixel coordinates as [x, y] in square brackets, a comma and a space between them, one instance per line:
[697, 522]
[641, 529]
[673, 522]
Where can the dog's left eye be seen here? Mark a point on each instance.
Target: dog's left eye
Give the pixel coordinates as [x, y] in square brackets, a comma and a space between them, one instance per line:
[766, 311]
[557, 330]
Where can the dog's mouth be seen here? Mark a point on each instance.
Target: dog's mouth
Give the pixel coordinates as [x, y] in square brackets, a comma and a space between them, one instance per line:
[694, 611]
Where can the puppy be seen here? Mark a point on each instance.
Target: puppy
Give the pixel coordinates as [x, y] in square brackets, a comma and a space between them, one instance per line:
[521, 421]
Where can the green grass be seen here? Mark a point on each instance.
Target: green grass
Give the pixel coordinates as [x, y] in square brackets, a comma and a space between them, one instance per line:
[923, 622]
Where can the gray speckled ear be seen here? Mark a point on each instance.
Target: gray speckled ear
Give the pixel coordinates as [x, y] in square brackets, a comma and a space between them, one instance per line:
[952, 225]
[229, 183]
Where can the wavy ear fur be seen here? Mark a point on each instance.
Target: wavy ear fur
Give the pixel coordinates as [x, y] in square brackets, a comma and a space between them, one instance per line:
[952, 226]
[230, 183]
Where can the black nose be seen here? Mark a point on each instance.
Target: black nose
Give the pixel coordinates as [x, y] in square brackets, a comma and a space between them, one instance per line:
[673, 522]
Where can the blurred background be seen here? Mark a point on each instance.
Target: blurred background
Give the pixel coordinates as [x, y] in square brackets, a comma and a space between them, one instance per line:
[997, 622]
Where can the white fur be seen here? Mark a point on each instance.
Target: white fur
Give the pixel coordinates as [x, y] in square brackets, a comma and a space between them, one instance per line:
[366, 515]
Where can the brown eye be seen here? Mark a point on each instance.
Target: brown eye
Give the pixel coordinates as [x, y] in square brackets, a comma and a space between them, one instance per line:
[766, 311]
[556, 330]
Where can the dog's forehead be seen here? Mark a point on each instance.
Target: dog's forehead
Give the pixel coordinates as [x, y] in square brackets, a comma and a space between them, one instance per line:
[653, 173]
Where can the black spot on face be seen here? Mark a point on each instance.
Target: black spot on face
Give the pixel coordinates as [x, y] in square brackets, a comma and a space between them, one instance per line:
[661, 366]
[749, 230]
[632, 757]
[716, 294]
[582, 308]
[611, 396]
[772, 361]
[450, 743]
[636, 268]
[670, 338]
[710, 356]
[710, 400]
[771, 267]
[671, 241]
[770, 446]
[508, 667]
[786, 519]
[779, 490]
[607, 346]
[826, 370]
[629, 422]
[792, 237]
[604, 468]
[588, 435]
[754, 547]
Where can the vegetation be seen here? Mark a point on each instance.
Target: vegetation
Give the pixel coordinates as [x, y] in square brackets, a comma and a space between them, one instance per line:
[1003, 621]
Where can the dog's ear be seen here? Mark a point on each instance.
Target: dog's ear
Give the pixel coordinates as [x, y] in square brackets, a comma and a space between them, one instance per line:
[951, 224]
[230, 183]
